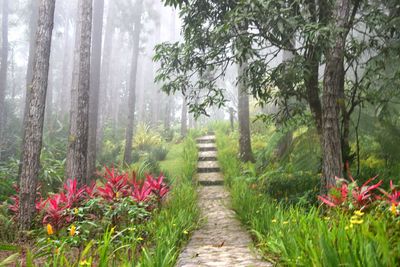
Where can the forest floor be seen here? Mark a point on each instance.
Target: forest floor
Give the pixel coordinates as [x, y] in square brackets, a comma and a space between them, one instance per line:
[221, 240]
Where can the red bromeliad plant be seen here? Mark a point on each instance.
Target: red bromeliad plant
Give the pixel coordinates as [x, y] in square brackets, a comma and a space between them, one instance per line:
[350, 195]
[14, 206]
[392, 197]
[157, 185]
[115, 186]
[56, 209]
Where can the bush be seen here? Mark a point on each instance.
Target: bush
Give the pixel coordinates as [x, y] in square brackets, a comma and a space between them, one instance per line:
[145, 139]
[290, 186]
[158, 153]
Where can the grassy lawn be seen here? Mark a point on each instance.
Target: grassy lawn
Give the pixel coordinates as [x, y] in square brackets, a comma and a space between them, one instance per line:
[173, 164]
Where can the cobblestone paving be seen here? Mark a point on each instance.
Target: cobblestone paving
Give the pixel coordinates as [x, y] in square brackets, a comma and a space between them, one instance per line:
[221, 240]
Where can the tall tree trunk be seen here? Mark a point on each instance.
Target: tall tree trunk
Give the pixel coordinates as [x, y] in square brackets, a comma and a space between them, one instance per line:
[79, 120]
[29, 70]
[333, 82]
[245, 151]
[184, 114]
[35, 115]
[3, 70]
[132, 85]
[105, 71]
[168, 113]
[98, 12]
[66, 80]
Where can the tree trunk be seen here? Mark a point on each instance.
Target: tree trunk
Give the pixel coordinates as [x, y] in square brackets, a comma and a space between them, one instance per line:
[98, 11]
[66, 80]
[184, 114]
[132, 85]
[105, 72]
[3, 70]
[245, 151]
[333, 82]
[311, 84]
[35, 115]
[232, 118]
[79, 120]
[29, 71]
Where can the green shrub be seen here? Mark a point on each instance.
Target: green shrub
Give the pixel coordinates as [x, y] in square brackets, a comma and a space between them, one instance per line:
[158, 153]
[144, 138]
[290, 186]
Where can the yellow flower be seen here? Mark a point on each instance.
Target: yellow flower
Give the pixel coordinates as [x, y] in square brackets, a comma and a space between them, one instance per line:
[139, 239]
[50, 230]
[76, 211]
[346, 228]
[185, 232]
[57, 250]
[359, 213]
[393, 209]
[273, 221]
[118, 195]
[285, 222]
[355, 221]
[327, 218]
[72, 230]
[84, 263]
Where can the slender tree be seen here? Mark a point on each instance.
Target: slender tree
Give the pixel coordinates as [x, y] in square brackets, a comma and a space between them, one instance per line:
[105, 69]
[79, 119]
[35, 114]
[3, 69]
[98, 12]
[132, 83]
[184, 114]
[245, 152]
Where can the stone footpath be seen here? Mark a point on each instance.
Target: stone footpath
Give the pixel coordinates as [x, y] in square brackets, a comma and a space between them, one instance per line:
[221, 240]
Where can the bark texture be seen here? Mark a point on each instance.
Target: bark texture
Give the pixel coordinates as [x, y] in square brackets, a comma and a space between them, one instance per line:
[245, 151]
[132, 84]
[29, 70]
[3, 70]
[333, 82]
[79, 120]
[98, 12]
[35, 115]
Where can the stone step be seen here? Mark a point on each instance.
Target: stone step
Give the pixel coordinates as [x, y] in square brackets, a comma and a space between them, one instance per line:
[210, 178]
[207, 166]
[207, 154]
[205, 141]
[207, 148]
[207, 158]
[211, 183]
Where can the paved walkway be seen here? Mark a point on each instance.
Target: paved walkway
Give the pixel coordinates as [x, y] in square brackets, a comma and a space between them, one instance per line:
[221, 241]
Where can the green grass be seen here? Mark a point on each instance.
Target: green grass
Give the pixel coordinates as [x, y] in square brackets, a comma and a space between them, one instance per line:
[174, 161]
[290, 235]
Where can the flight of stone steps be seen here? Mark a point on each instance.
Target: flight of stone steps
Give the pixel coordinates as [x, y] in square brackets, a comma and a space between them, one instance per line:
[221, 240]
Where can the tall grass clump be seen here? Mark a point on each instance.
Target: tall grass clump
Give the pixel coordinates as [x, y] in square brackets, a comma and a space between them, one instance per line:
[227, 146]
[189, 158]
